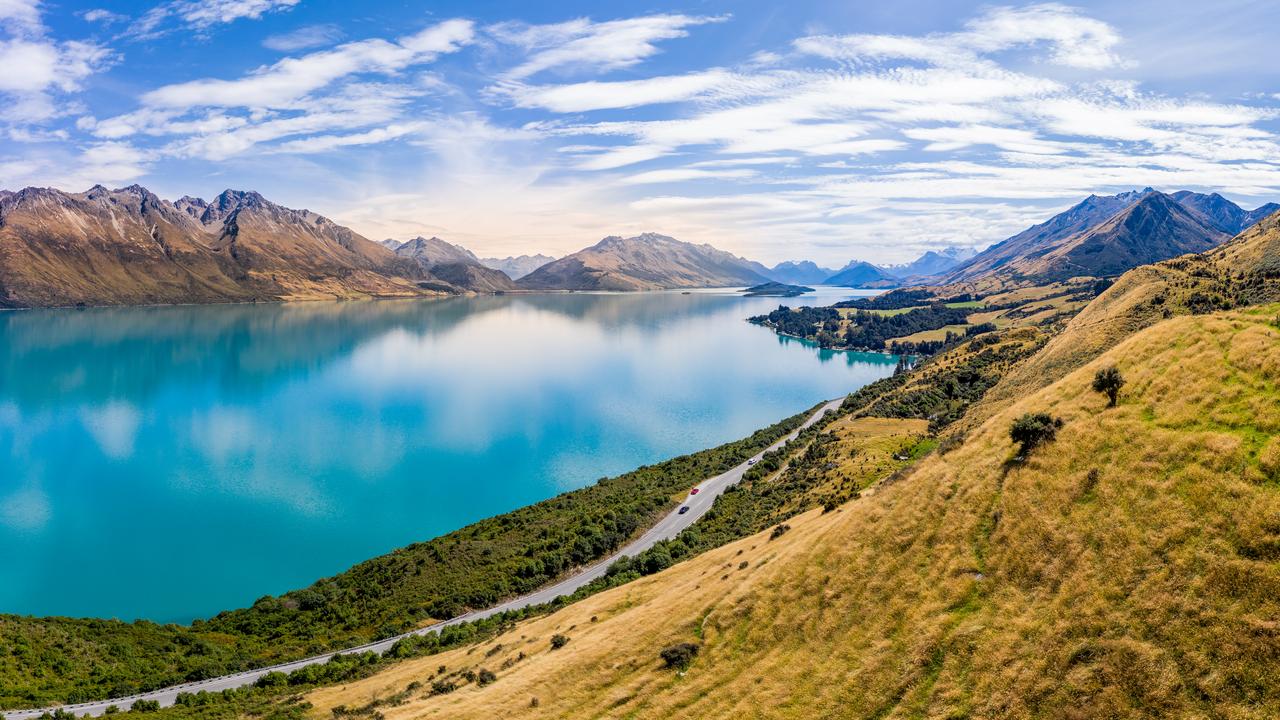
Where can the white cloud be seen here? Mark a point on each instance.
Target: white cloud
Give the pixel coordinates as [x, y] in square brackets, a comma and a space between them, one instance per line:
[1073, 39]
[580, 97]
[101, 15]
[202, 14]
[323, 143]
[37, 68]
[596, 46]
[889, 144]
[685, 174]
[303, 38]
[288, 80]
[20, 16]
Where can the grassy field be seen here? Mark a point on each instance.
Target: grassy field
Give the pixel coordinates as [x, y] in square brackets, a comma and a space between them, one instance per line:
[939, 334]
[1127, 569]
[847, 312]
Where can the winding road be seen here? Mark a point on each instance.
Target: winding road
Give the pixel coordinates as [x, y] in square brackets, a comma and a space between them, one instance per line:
[666, 528]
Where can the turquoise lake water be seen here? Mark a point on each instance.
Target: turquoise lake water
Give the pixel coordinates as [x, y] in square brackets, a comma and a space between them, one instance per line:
[168, 463]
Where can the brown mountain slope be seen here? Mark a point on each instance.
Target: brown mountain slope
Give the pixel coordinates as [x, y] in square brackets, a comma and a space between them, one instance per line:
[1242, 272]
[128, 246]
[1152, 229]
[103, 247]
[1127, 569]
[1100, 237]
[473, 277]
[645, 262]
[455, 265]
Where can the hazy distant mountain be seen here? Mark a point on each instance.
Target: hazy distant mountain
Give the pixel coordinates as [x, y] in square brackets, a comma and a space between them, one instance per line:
[859, 274]
[1255, 216]
[1221, 212]
[455, 265]
[434, 251]
[127, 246]
[803, 272]
[1103, 236]
[932, 262]
[390, 244]
[517, 267]
[645, 262]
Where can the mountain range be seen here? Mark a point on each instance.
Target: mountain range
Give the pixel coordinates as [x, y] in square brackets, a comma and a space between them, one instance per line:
[644, 262]
[1107, 235]
[128, 246]
[454, 264]
[517, 267]
[861, 274]
[932, 262]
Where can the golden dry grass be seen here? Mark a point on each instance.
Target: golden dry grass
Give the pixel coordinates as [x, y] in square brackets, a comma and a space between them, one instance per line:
[1129, 569]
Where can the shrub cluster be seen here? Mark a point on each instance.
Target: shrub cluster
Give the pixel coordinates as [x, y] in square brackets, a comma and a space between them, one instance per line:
[680, 655]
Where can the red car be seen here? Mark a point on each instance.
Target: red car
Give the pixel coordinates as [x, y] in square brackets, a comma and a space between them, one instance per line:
[693, 491]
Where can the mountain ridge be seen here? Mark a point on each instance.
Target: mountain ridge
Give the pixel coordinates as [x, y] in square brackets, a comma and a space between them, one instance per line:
[517, 266]
[128, 246]
[648, 261]
[1088, 239]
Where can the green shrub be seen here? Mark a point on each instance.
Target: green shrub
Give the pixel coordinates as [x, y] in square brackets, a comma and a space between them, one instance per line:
[1033, 430]
[485, 677]
[679, 656]
[145, 706]
[558, 641]
[1108, 381]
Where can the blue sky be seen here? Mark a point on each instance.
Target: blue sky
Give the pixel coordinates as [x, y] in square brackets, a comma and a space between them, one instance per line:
[818, 130]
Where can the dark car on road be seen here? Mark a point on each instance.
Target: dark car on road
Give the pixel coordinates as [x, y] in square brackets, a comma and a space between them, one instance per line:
[684, 509]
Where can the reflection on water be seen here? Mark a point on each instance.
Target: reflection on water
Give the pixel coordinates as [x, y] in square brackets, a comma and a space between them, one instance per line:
[184, 460]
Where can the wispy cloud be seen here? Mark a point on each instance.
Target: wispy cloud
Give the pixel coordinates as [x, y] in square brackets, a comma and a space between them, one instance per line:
[596, 47]
[311, 95]
[1072, 39]
[201, 15]
[517, 137]
[39, 69]
[283, 83]
[306, 37]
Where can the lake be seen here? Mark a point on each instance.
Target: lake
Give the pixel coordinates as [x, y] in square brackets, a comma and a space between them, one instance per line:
[170, 462]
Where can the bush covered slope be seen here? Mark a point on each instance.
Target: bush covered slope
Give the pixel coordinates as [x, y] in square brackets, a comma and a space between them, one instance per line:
[1128, 568]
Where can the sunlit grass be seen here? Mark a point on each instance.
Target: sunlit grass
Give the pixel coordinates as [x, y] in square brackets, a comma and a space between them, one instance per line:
[1131, 568]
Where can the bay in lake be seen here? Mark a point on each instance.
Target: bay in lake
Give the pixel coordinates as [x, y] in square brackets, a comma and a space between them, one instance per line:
[168, 463]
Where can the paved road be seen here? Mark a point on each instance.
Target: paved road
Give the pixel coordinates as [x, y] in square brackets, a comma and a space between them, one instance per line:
[665, 529]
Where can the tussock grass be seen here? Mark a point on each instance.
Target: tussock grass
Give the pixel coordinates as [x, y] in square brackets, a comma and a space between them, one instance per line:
[1130, 568]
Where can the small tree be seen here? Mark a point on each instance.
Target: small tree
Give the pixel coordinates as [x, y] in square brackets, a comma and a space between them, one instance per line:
[1032, 430]
[1108, 381]
[679, 656]
[558, 641]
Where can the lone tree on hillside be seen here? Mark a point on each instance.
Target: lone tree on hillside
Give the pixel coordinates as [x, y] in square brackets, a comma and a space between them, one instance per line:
[679, 656]
[1032, 430]
[1108, 381]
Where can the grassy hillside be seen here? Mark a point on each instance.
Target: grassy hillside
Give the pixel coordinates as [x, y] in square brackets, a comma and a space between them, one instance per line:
[1126, 569]
[1241, 273]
